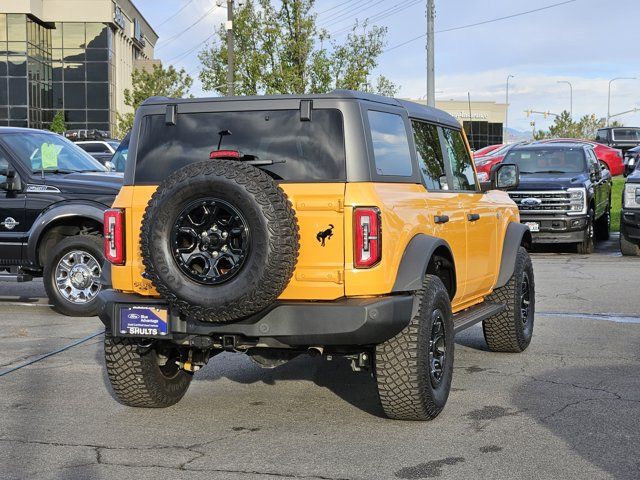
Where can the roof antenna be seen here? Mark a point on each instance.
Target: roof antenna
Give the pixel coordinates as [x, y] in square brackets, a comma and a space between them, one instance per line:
[222, 133]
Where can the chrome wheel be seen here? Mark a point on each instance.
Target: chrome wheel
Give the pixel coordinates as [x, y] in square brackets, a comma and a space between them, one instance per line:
[77, 277]
[437, 348]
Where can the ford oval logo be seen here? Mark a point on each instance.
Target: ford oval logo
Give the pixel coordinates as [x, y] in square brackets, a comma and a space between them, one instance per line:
[531, 202]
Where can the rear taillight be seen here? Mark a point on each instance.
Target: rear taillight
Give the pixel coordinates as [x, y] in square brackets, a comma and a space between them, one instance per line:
[368, 237]
[114, 236]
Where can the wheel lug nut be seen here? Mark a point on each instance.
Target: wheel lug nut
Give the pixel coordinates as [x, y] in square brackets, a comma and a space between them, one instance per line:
[214, 253]
[225, 234]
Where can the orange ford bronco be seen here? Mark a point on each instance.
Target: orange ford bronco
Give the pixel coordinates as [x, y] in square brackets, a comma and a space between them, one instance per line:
[337, 224]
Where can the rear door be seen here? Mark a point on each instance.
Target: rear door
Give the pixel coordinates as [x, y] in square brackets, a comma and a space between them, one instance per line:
[13, 228]
[478, 213]
[445, 211]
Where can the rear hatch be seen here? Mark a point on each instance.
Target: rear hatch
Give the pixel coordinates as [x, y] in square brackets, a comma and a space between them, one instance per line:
[305, 156]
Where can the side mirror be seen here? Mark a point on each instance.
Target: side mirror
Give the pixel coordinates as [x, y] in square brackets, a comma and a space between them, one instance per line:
[109, 166]
[505, 176]
[12, 182]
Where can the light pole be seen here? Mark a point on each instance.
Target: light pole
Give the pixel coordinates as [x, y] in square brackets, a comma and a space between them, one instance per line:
[431, 75]
[230, 48]
[570, 97]
[506, 115]
[609, 96]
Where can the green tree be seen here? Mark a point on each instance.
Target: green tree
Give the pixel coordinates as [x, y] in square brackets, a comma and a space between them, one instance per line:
[57, 125]
[164, 82]
[565, 127]
[280, 50]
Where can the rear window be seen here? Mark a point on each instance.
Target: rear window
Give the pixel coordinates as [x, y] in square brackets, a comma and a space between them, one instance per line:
[390, 144]
[626, 134]
[311, 150]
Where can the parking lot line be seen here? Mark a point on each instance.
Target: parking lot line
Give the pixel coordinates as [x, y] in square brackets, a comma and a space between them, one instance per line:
[609, 317]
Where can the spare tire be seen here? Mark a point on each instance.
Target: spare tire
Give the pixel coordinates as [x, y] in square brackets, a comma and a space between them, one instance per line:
[219, 240]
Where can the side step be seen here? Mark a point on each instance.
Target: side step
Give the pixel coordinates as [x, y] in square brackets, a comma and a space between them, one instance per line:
[469, 317]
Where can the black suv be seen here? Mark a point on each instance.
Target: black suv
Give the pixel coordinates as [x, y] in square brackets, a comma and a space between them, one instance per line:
[564, 195]
[623, 138]
[52, 201]
[630, 218]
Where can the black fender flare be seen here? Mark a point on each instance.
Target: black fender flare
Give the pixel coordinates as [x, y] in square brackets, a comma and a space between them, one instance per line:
[415, 260]
[66, 210]
[516, 235]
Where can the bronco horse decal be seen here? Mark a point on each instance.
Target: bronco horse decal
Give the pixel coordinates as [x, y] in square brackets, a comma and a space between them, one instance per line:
[325, 235]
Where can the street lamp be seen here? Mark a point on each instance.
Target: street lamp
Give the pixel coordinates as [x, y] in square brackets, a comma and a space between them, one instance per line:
[570, 97]
[506, 116]
[609, 97]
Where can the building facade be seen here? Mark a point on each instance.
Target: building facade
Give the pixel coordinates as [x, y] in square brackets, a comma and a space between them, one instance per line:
[483, 122]
[74, 56]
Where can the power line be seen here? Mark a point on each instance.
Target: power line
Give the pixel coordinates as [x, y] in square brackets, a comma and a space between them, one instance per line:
[345, 11]
[398, 7]
[352, 14]
[180, 56]
[334, 7]
[481, 23]
[171, 17]
[170, 39]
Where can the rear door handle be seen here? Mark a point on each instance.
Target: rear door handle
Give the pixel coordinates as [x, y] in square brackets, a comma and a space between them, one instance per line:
[473, 217]
[441, 218]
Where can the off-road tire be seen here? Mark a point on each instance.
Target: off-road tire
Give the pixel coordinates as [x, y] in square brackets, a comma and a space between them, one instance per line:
[587, 246]
[402, 368]
[603, 225]
[92, 244]
[628, 248]
[506, 331]
[136, 378]
[270, 263]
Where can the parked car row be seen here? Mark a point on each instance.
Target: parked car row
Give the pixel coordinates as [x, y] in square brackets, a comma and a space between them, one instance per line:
[565, 189]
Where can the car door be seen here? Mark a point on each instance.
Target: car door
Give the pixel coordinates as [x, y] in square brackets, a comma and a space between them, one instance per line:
[478, 212]
[445, 214]
[13, 229]
[600, 193]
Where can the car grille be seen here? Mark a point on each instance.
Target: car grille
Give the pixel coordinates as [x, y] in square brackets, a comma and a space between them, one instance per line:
[550, 202]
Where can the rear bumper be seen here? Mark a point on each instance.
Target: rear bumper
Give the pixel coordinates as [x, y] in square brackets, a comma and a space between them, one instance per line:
[347, 322]
[557, 228]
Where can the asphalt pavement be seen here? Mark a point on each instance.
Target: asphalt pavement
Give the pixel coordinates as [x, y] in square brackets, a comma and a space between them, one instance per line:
[568, 407]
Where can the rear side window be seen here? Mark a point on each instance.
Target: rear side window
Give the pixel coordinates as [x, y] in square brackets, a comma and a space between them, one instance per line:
[464, 178]
[601, 136]
[94, 147]
[430, 158]
[390, 144]
[303, 151]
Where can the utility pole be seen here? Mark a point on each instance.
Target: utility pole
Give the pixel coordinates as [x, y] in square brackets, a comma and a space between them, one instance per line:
[431, 70]
[505, 133]
[230, 48]
[570, 97]
[609, 96]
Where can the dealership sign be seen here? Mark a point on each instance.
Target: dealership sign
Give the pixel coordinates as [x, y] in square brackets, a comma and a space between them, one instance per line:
[118, 17]
[473, 116]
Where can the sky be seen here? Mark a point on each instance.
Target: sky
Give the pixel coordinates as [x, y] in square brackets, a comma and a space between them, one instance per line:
[585, 42]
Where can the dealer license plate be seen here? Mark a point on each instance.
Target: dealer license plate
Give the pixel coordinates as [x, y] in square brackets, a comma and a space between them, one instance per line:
[144, 321]
[533, 226]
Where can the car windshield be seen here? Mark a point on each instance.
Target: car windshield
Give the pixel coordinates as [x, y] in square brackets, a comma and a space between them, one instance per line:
[626, 134]
[114, 144]
[554, 160]
[49, 152]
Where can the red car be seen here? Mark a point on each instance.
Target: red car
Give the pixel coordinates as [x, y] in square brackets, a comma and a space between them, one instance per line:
[485, 162]
[611, 157]
[481, 152]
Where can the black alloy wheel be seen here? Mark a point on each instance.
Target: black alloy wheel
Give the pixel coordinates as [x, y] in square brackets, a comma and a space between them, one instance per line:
[210, 241]
[437, 348]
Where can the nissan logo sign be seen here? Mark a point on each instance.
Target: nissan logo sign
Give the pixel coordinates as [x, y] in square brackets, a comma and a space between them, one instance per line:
[531, 202]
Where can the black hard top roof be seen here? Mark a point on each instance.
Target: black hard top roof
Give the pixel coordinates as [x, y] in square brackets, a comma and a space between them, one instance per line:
[415, 110]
